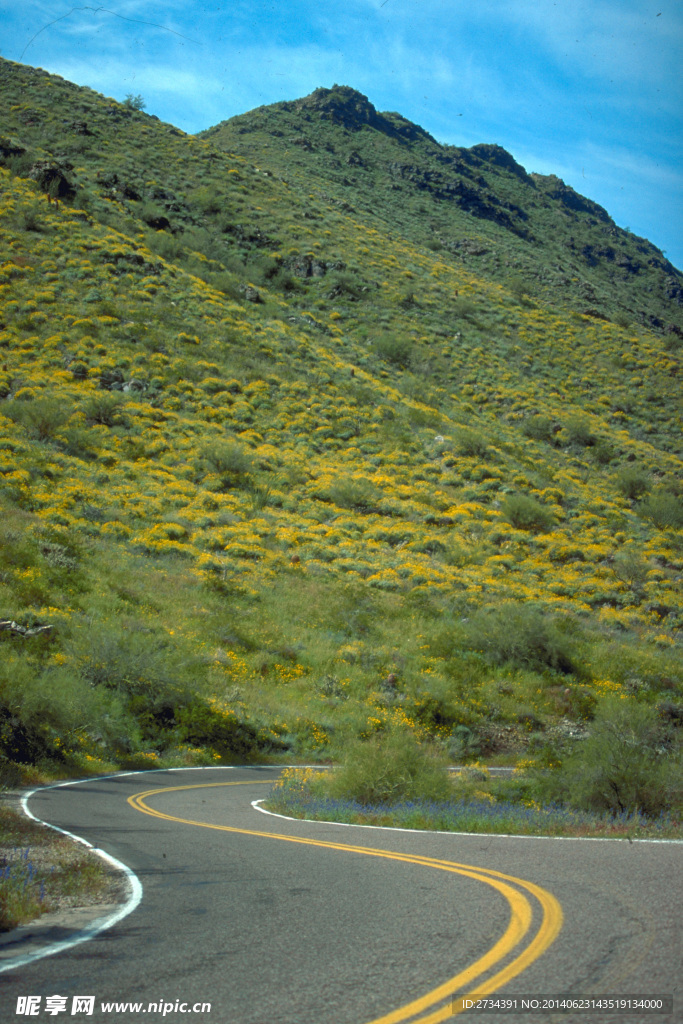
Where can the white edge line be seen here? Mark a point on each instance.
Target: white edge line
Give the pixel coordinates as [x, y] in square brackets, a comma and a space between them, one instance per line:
[256, 804]
[100, 924]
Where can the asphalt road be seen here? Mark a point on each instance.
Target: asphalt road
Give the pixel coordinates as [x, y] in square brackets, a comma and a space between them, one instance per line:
[278, 922]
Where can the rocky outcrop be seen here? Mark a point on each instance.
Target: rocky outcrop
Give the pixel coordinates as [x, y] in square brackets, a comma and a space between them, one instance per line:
[113, 380]
[311, 266]
[251, 235]
[250, 293]
[673, 289]
[52, 179]
[556, 189]
[115, 188]
[9, 149]
[493, 154]
[354, 111]
[79, 128]
[475, 199]
[15, 629]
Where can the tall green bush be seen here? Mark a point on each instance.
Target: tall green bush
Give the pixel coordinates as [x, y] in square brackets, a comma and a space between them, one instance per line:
[525, 635]
[389, 768]
[629, 761]
[525, 513]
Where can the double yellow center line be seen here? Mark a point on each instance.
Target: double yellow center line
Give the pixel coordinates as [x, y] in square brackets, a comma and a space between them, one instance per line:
[427, 1008]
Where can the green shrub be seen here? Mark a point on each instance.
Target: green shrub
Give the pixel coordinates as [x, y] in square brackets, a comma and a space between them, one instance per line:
[664, 508]
[204, 726]
[471, 443]
[603, 452]
[518, 286]
[633, 482]
[540, 428]
[31, 219]
[631, 568]
[524, 635]
[104, 409]
[390, 768]
[464, 307]
[165, 245]
[344, 284]
[354, 493]
[628, 762]
[134, 102]
[209, 200]
[463, 744]
[230, 460]
[79, 442]
[525, 513]
[154, 215]
[579, 432]
[41, 418]
[43, 711]
[394, 350]
[224, 282]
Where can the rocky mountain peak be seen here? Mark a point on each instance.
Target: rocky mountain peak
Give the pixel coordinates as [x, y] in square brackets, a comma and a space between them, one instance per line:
[352, 110]
[343, 105]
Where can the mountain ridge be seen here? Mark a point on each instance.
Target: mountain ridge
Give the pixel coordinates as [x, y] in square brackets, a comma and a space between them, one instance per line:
[484, 181]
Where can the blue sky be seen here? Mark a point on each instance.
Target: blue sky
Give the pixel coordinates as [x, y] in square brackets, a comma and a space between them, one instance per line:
[590, 90]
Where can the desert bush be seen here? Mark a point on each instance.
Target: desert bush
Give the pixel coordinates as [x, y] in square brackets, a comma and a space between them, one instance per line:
[259, 495]
[209, 200]
[518, 286]
[540, 428]
[31, 219]
[471, 443]
[103, 409]
[525, 635]
[200, 725]
[128, 660]
[44, 710]
[603, 452]
[154, 215]
[394, 350]
[150, 677]
[20, 164]
[389, 768]
[227, 283]
[525, 513]
[41, 418]
[354, 492]
[463, 744]
[664, 508]
[344, 283]
[229, 460]
[134, 102]
[629, 761]
[579, 432]
[631, 568]
[79, 442]
[633, 482]
[165, 245]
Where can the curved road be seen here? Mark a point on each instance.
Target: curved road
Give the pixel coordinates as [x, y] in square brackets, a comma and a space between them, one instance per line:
[272, 921]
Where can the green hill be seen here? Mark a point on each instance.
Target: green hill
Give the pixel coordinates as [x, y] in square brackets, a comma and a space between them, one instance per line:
[311, 427]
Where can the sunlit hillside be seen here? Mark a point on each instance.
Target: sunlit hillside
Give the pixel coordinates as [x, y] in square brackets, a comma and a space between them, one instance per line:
[275, 472]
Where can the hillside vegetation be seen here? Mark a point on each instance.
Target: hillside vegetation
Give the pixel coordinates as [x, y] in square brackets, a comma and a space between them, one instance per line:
[286, 462]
